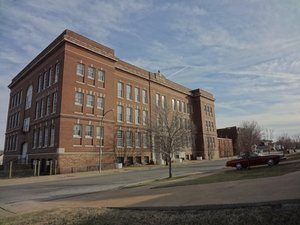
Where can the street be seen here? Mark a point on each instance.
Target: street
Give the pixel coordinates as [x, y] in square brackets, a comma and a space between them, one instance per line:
[63, 188]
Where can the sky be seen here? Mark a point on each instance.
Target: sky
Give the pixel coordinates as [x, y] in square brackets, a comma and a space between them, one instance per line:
[247, 53]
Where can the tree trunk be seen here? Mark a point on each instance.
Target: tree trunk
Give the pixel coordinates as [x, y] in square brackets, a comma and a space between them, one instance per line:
[170, 167]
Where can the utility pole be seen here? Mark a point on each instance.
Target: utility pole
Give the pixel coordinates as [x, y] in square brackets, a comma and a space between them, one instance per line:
[100, 148]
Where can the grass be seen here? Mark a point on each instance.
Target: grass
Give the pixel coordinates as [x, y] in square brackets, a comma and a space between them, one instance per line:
[292, 157]
[282, 215]
[233, 175]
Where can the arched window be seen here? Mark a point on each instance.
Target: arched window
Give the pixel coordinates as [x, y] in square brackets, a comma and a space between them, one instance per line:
[28, 97]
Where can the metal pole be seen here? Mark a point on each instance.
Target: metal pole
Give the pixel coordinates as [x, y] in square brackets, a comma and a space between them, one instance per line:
[55, 167]
[100, 148]
[50, 167]
[100, 159]
[10, 169]
[39, 168]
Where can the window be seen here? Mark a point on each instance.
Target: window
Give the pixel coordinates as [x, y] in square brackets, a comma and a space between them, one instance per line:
[157, 99]
[28, 97]
[145, 117]
[129, 115]
[178, 105]
[54, 103]
[145, 140]
[91, 72]
[144, 96]
[42, 108]
[26, 124]
[100, 103]
[137, 94]
[173, 104]
[90, 101]
[46, 137]
[138, 139]
[45, 80]
[80, 69]
[40, 84]
[77, 130]
[163, 101]
[101, 75]
[37, 110]
[52, 136]
[50, 74]
[120, 113]
[120, 90]
[56, 72]
[188, 108]
[120, 138]
[35, 138]
[89, 131]
[99, 132]
[129, 92]
[137, 116]
[78, 98]
[48, 109]
[129, 139]
[40, 138]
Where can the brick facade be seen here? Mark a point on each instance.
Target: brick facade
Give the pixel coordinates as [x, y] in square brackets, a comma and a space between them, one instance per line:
[225, 147]
[71, 115]
[231, 133]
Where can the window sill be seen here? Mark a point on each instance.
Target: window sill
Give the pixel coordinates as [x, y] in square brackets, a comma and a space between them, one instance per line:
[76, 136]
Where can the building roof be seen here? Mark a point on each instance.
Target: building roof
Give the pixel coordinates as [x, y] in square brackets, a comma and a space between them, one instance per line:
[90, 45]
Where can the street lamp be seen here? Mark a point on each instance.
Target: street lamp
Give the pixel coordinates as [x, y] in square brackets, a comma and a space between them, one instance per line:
[100, 148]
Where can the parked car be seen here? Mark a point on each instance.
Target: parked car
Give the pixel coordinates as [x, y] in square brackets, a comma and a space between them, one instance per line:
[253, 160]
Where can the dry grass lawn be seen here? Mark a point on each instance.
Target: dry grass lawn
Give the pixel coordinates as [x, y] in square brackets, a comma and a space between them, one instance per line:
[279, 215]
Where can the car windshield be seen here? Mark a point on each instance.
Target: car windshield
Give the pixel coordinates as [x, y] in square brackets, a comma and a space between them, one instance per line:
[247, 155]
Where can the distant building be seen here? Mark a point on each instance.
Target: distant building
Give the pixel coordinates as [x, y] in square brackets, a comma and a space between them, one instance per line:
[231, 133]
[78, 104]
[225, 147]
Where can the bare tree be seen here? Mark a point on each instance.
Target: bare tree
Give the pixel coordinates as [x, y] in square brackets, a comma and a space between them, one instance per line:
[268, 134]
[297, 140]
[249, 135]
[168, 129]
[285, 142]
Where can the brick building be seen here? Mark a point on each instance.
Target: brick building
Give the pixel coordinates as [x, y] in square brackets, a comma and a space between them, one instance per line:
[76, 103]
[225, 147]
[231, 133]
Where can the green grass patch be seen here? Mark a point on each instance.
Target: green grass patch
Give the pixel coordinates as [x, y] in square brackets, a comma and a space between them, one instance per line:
[285, 214]
[232, 175]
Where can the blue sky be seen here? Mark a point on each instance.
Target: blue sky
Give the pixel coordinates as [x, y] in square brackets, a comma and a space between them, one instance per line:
[247, 53]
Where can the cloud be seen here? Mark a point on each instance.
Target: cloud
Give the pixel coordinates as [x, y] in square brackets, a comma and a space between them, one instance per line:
[245, 53]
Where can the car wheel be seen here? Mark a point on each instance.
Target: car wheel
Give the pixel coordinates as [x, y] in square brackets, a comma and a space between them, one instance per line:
[271, 162]
[238, 166]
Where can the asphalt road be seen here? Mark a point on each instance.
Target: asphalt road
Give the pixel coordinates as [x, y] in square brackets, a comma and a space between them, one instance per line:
[51, 190]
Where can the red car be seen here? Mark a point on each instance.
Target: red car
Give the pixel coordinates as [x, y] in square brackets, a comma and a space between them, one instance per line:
[253, 160]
